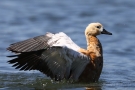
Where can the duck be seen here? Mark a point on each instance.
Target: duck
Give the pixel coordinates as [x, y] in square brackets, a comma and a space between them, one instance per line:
[58, 57]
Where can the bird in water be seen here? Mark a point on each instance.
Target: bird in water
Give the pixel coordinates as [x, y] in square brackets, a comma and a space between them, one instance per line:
[57, 56]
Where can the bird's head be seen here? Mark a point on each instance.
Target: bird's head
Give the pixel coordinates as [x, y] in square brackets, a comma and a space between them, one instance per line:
[95, 29]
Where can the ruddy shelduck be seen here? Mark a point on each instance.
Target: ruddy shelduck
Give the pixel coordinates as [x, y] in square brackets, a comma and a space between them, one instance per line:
[57, 56]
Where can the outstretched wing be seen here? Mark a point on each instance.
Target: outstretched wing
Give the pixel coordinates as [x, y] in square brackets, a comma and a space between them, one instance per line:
[59, 59]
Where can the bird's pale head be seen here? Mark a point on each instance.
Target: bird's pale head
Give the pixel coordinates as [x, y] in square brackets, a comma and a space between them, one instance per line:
[95, 29]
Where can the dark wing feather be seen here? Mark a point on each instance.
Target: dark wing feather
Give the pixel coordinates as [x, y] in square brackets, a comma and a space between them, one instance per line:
[32, 44]
[31, 61]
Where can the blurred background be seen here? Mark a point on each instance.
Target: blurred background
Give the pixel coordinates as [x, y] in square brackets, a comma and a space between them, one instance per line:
[23, 19]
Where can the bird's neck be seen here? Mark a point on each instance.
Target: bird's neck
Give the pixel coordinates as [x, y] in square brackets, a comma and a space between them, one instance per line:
[94, 46]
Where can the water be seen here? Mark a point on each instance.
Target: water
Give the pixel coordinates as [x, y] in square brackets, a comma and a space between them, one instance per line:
[23, 19]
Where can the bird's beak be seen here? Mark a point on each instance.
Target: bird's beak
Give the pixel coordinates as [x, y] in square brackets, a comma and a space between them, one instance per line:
[106, 32]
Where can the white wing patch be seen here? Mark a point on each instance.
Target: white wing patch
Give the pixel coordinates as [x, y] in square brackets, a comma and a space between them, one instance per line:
[62, 40]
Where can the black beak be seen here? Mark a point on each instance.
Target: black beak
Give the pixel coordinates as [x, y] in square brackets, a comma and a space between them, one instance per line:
[106, 32]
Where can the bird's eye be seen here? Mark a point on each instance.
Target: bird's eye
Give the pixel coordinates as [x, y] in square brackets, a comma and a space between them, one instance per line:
[98, 26]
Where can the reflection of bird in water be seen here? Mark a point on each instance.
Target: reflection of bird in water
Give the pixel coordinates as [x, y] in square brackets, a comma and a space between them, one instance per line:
[57, 56]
